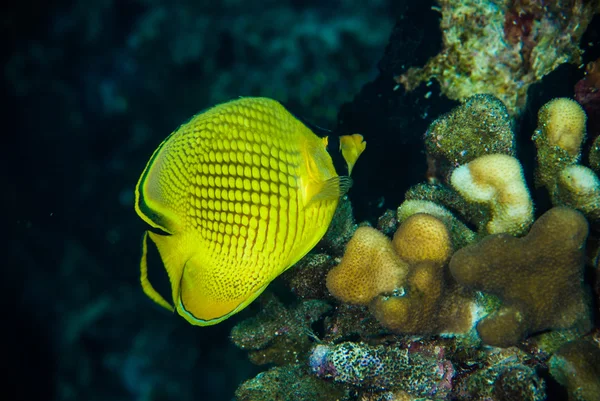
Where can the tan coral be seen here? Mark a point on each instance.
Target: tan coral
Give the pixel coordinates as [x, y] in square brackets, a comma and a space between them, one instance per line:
[461, 234]
[562, 123]
[558, 139]
[429, 305]
[423, 237]
[369, 267]
[497, 181]
[579, 187]
[539, 278]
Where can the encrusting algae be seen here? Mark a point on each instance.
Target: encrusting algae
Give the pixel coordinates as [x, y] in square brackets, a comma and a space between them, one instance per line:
[235, 197]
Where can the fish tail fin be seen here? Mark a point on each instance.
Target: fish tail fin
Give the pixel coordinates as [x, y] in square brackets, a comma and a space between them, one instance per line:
[351, 147]
[146, 285]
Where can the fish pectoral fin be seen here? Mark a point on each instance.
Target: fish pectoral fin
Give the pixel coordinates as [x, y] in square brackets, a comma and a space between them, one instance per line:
[331, 189]
[352, 147]
[146, 285]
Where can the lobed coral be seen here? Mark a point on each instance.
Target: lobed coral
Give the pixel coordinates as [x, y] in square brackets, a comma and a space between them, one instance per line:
[370, 266]
[497, 181]
[548, 260]
[576, 365]
[558, 138]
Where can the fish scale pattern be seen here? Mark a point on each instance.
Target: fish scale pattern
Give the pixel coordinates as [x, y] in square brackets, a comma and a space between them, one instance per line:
[244, 193]
[234, 188]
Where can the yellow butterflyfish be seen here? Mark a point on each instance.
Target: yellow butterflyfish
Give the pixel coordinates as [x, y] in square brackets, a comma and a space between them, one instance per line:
[234, 197]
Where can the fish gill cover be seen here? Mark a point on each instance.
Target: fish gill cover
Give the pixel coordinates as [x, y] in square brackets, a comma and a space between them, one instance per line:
[481, 119]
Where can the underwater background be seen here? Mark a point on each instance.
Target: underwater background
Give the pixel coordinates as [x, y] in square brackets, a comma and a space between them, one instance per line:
[91, 89]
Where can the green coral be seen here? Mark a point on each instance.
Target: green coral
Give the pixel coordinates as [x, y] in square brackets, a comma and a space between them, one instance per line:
[479, 126]
[576, 365]
[290, 383]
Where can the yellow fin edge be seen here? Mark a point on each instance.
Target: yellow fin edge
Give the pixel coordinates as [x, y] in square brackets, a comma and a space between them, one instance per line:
[146, 285]
[200, 322]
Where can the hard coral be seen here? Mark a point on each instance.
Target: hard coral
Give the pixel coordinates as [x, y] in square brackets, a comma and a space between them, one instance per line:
[423, 237]
[579, 187]
[502, 47]
[278, 334]
[496, 181]
[289, 383]
[539, 277]
[558, 138]
[576, 365]
[427, 306]
[479, 126]
[460, 234]
[383, 368]
[369, 267]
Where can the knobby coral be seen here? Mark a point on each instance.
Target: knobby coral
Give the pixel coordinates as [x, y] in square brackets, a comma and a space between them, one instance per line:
[549, 260]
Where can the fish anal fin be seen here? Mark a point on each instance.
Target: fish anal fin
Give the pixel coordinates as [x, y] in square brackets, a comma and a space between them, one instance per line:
[149, 290]
[202, 304]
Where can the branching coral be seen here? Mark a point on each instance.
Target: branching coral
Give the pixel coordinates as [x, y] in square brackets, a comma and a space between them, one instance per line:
[549, 261]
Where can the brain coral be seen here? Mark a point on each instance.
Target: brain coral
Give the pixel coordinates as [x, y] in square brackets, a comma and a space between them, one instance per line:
[539, 277]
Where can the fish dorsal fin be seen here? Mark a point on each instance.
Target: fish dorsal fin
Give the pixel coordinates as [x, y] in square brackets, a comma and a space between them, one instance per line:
[331, 189]
[151, 201]
[351, 147]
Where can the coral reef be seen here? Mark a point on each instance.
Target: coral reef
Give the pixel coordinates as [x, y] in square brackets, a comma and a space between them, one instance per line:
[506, 375]
[361, 365]
[548, 260]
[502, 47]
[278, 334]
[576, 365]
[289, 382]
[587, 94]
